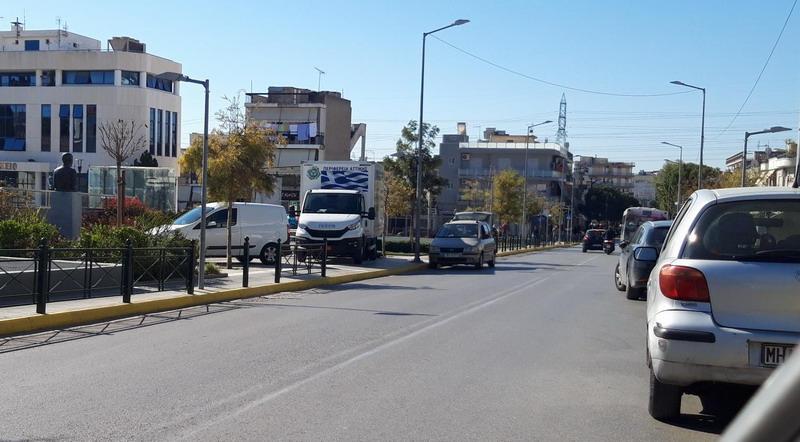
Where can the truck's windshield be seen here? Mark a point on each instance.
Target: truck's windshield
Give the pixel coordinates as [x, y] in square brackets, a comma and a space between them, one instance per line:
[333, 203]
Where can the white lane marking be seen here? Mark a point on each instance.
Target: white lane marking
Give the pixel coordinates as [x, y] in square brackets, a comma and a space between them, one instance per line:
[297, 384]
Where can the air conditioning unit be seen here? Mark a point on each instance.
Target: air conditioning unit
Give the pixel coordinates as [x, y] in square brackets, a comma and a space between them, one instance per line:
[465, 156]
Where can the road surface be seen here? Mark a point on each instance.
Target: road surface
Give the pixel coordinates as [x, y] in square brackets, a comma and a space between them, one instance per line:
[540, 348]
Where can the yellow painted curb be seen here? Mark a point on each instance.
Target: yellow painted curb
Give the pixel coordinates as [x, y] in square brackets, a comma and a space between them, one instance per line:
[53, 321]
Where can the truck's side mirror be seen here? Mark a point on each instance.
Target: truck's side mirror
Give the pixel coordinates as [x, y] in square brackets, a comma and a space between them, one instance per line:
[371, 213]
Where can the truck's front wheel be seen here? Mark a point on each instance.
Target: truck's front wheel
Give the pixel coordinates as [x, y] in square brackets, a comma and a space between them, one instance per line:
[358, 254]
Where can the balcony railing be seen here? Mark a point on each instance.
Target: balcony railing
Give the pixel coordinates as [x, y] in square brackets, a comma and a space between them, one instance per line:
[533, 146]
[552, 174]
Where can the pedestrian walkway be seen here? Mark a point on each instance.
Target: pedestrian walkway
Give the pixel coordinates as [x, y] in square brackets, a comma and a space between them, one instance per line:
[259, 276]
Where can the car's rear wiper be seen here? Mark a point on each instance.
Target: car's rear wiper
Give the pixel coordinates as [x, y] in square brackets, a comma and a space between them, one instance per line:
[774, 255]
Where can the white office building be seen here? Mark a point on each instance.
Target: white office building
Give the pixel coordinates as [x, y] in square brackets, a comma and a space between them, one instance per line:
[57, 88]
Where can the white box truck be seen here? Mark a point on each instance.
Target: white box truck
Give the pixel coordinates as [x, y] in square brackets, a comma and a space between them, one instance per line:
[343, 202]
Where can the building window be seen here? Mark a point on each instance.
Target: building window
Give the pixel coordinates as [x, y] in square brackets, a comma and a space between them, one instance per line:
[46, 117]
[31, 45]
[87, 77]
[91, 128]
[77, 128]
[14, 79]
[160, 129]
[174, 134]
[154, 82]
[48, 78]
[152, 131]
[12, 127]
[63, 125]
[130, 78]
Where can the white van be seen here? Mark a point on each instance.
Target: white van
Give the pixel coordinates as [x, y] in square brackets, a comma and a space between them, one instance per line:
[265, 224]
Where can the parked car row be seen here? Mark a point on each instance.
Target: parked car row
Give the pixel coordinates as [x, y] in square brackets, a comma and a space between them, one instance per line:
[723, 291]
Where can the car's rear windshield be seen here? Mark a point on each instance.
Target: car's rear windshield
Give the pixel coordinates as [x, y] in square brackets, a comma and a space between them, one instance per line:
[458, 231]
[656, 237]
[595, 233]
[472, 216]
[764, 230]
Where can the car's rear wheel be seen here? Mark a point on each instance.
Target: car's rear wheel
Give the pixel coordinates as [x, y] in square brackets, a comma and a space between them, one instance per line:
[665, 399]
[494, 258]
[632, 293]
[584, 249]
[617, 279]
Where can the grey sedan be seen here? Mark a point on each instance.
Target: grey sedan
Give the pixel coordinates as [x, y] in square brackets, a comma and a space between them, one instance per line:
[463, 242]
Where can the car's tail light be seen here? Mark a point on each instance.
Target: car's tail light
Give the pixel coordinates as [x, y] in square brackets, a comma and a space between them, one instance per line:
[683, 283]
[586, 237]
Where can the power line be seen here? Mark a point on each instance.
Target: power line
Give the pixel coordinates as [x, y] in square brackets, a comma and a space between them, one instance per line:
[763, 68]
[550, 83]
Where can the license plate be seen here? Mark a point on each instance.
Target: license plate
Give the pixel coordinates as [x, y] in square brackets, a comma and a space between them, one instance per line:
[451, 255]
[775, 354]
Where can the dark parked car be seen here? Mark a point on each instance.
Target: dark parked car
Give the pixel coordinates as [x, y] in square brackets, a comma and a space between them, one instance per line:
[637, 258]
[593, 239]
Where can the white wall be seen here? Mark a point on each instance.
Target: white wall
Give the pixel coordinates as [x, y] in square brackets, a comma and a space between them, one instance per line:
[113, 102]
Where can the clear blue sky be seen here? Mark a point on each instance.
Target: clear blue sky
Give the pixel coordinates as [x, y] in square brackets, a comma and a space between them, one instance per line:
[371, 51]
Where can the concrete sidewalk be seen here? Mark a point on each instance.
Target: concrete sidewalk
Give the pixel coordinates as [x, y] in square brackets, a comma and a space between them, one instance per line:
[24, 319]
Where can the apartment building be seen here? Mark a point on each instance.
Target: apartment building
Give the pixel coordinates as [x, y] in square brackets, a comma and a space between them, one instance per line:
[593, 171]
[467, 163]
[314, 125]
[644, 187]
[58, 87]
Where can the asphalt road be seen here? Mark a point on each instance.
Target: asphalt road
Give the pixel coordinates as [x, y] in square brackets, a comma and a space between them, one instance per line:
[540, 348]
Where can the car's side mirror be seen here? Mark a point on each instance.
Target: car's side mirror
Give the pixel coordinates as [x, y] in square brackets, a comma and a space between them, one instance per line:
[371, 213]
[211, 224]
[646, 254]
[623, 244]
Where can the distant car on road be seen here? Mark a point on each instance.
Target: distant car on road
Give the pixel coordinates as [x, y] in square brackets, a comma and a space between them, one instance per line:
[637, 258]
[463, 242]
[593, 239]
[722, 300]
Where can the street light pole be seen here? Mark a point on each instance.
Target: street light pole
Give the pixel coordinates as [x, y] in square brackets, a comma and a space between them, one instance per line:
[528, 134]
[418, 203]
[747, 135]
[702, 130]
[680, 170]
[201, 265]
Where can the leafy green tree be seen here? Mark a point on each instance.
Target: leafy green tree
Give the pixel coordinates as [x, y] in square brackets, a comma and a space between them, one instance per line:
[239, 154]
[667, 183]
[404, 164]
[146, 160]
[475, 194]
[606, 203]
[507, 196]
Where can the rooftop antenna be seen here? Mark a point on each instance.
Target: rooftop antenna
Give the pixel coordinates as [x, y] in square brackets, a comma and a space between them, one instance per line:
[320, 73]
[17, 26]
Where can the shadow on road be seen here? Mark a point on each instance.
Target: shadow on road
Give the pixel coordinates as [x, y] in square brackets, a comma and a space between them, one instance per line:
[16, 343]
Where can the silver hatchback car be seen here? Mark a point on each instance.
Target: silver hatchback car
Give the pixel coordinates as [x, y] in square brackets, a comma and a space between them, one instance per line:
[463, 242]
[723, 300]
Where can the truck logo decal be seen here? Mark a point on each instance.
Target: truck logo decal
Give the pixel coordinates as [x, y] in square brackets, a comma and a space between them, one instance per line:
[352, 180]
[313, 173]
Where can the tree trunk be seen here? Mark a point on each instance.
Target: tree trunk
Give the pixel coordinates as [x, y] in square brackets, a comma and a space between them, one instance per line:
[120, 194]
[229, 258]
